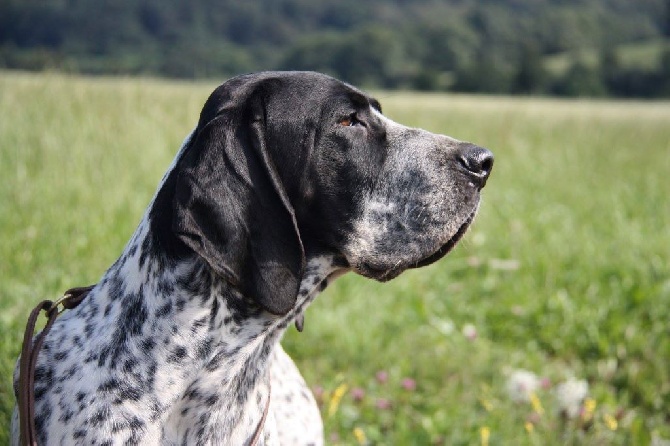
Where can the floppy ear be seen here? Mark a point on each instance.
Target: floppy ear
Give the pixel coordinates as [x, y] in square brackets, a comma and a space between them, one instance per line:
[231, 208]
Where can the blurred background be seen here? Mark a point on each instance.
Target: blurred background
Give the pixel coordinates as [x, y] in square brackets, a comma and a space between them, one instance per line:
[558, 47]
[547, 325]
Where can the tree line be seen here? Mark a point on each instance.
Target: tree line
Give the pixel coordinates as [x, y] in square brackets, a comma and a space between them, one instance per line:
[492, 46]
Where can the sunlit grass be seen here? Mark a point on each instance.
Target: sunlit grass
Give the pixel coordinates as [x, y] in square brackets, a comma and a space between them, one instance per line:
[566, 272]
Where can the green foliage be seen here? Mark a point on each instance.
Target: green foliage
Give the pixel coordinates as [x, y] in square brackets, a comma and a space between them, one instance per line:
[531, 76]
[462, 45]
[581, 80]
[377, 61]
[631, 70]
[566, 271]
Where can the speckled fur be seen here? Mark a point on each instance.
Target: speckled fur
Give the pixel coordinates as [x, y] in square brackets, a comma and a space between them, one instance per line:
[175, 340]
[165, 350]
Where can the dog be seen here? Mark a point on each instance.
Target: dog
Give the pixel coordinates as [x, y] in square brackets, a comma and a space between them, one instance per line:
[289, 180]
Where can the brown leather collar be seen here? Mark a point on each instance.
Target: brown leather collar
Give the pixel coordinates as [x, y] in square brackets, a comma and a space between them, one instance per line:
[259, 429]
[30, 349]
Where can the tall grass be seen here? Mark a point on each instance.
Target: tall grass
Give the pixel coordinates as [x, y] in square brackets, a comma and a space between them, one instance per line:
[566, 272]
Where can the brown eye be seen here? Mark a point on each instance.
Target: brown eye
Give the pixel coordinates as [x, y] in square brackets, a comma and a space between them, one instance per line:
[350, 121]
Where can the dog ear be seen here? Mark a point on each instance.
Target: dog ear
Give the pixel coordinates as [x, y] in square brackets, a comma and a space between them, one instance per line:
[230, 205]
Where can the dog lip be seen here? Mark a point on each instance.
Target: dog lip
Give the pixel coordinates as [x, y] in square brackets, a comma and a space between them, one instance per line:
[383, 274]
[380, 274]
[449, 245]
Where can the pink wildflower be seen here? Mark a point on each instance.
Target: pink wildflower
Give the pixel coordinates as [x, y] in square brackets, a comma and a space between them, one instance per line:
[409, 384]
[382, 377]
[318, 394]
[357, 394]
[383, 404]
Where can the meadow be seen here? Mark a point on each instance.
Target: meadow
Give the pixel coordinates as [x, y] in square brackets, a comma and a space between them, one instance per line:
[564, 277]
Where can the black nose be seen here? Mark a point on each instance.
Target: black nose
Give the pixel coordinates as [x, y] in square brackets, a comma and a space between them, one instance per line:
[478, 162]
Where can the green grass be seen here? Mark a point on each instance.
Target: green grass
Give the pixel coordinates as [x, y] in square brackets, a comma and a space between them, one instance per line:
[566, 271]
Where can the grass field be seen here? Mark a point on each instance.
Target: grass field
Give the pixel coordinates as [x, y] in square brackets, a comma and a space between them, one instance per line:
[565, 274]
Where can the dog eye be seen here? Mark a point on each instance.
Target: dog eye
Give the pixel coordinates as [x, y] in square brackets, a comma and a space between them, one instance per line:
[350, 121]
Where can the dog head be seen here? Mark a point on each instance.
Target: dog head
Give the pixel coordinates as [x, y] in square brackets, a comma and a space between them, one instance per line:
[287, 165]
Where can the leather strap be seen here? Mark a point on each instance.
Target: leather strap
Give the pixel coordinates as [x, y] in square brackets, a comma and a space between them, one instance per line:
[29, 351]
[259, 429]
[28, 362]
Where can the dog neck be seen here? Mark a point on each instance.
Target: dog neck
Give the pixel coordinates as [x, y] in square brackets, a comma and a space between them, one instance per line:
[183, 343]
[203, 343]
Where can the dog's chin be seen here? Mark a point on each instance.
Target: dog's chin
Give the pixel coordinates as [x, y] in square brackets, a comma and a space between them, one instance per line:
[448, 246]
[378, 273]
[384, 274]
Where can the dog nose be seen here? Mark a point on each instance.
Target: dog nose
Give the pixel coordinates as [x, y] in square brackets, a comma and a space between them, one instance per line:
[478, 161]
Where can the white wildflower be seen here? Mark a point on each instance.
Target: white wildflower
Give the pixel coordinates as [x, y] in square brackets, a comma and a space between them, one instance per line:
[570, 396]
[521, 384]
[444, 326]
[470, 332]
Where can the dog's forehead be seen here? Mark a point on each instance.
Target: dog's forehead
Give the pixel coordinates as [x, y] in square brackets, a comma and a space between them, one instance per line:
[352, 96]
[314, 89]
[288, 91]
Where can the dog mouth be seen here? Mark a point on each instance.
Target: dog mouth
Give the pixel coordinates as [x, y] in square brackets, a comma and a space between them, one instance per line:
[449, 245]
[384, 274]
